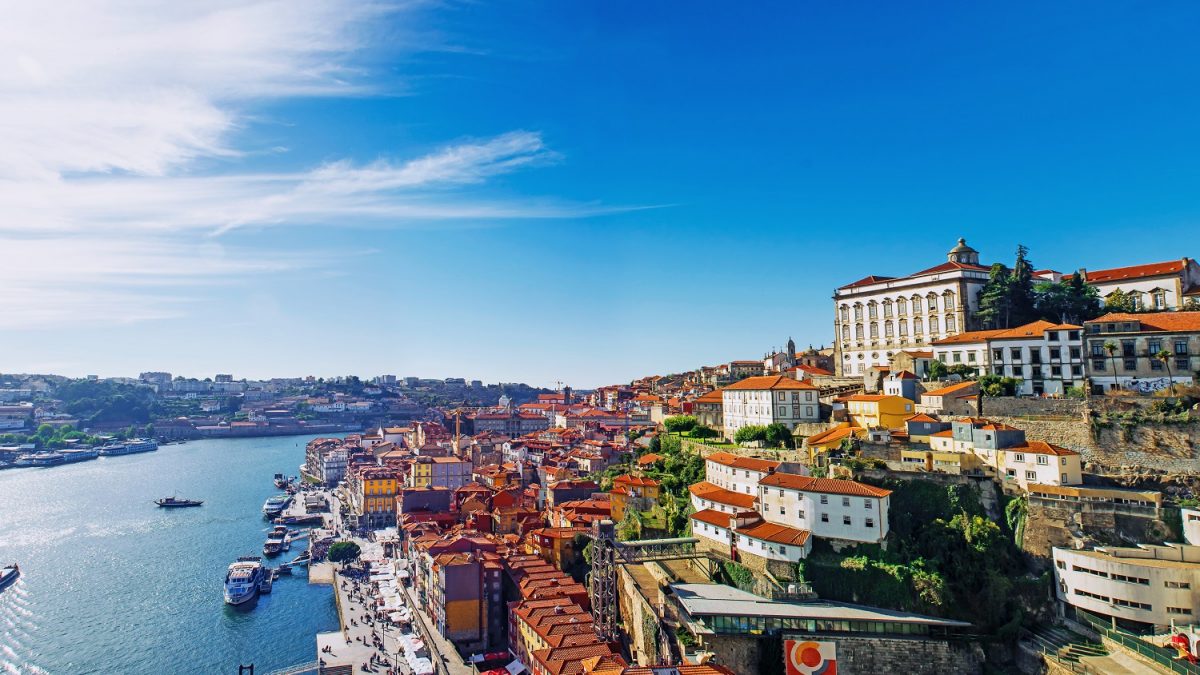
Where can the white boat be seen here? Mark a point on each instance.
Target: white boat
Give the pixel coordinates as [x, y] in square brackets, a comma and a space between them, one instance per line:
[40, 459]
[275, 505]
[79, 455]
[243, 579]
[129, 447]
[277, 541]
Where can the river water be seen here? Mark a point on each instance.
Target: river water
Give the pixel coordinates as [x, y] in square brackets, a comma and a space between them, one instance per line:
[111, 583]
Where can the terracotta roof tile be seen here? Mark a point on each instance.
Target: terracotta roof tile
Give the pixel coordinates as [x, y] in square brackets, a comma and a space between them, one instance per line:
[713, 493]
[768, 382]
[834, 486]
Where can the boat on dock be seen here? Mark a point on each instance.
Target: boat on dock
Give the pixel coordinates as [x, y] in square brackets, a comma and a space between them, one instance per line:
[275, 505]
[41, 459]
[267, 582]
[9, 574]
[79, 455]
[129, 447]
[277, 541]
[176, 502]
[280, 481]
[243, 580]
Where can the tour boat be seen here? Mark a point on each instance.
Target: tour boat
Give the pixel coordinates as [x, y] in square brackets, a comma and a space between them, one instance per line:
[40, 459]
[275, 505]
[9, 574]
[277, 541]
[243, 579]
[79, 455]
[176, 503]
[129, 447]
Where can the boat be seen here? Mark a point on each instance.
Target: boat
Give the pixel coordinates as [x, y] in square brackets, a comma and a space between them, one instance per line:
[9, 574]
[264, 586]
[280, 481]
[275, 505]
[40, 459]
[79, 455]
[129, 447]
[277, 541]
[243, 579]
[176, 503]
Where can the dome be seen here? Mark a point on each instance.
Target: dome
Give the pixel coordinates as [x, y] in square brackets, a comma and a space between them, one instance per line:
[962, 247]
[963, 253]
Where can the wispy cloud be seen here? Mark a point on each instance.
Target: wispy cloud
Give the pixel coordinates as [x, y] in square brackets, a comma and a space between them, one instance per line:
[110, 115]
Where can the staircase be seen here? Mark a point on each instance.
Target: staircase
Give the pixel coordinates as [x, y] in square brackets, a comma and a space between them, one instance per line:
[1063, 644]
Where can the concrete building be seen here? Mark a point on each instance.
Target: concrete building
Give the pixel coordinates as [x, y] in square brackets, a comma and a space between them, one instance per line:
[1191, 525]
[1041, 463]
[876, 317]
[873, 411]
[1137, 339]
[1148, 586]
[839, 510]
[766, 400]
[953, 399]
[904, 384]
[1046, 357]
[1156, 286]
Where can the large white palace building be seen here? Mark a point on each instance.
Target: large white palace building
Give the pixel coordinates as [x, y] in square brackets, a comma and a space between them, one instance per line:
[876, 317]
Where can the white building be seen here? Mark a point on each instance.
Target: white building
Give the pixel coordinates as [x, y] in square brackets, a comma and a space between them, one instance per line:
[877, 316]
[1041, 463]
[842, 510]
[1150, 585]
[766, 400]
[1156, 286]
[333, 466]
[1191, 525]
[1046, 357]
[736, 473]
[747, 532]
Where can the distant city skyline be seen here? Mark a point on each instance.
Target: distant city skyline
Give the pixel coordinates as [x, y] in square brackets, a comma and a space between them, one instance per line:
[576, 192]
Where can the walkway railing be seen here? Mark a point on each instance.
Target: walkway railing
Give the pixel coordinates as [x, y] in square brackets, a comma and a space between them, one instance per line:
[1133, 643]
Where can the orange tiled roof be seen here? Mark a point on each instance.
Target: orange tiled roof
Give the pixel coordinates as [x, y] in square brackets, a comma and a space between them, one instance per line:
[946, 391]
[768, 382]
[1036, 329]
[834, 486]
[738, 462]
[944, 434]
[1134, 271]
[779, 534]
[1156, 321]
[638, 481]
[830, 436]
[1041, 448]
[971, 336]
[717, 518]
[713, 493]
[713, 396]
[920, 417]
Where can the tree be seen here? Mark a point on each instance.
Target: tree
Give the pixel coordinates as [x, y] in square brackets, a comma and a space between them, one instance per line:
[778, 434]
[995, 385]
[1119, 301]
[1165, 356]
[701, 431]
[1111, 348]
[344, 552]
[937, 370]
[1192, 305]
[750, 434]
[1021, 290]
[995, 298]
[679, 423]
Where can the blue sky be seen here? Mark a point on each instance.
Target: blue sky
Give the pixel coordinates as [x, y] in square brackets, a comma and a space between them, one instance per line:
[576, 191]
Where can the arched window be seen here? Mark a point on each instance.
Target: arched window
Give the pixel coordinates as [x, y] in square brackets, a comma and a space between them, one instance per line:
[845, 313]
[874, 330]
[887, 329]
[858, 311]
[917, 328]
[858, 331]
[916, 304]
[901, 306]
[951, 325]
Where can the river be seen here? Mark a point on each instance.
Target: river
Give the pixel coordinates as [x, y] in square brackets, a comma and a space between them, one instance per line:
[110, 583]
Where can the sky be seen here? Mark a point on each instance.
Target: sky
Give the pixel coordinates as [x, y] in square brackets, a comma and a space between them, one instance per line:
[584, 192]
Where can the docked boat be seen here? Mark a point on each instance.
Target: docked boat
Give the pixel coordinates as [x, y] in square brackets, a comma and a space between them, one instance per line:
[177, 503]
[243, 580]
[9, 574]
[40, 459]
[79, 455]
[129, 447]
[275, 505]
[277, 541]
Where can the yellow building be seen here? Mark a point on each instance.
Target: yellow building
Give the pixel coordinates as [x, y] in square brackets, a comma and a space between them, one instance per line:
[827, 441]
[872, 411]
[422, 474]
[632, 492]
[945, 461]
[557, 545]
[376, 498]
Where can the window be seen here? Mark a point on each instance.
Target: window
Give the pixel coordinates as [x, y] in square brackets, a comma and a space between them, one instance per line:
[918, 329]
[1127, 349]
[1098, 364]
[970, 357]
[1155, 364]
[858, 331]
[824, 517]
[1131, 603]
[1130, 364]
[872, 309]
[845, 520]
[1153, 346]
[1055, 371]
[845, 333]
[1061, 565]
[887, 308]
[1073, 335]
[782, 511]
[1055, 353]
[903, 328]
[950, 324]
[1131, 580]
[887, 329]
[932, 303]
[845, 501]
[901, 306]
[824, 499]
[1041, 459]
[870, 522]
[1178, 610]
[1160, 299]
[957, 357]
[933, 325]
[1030, 475]
[1181, 348]
[874, 330]
[1077, 371]
[845, 313]
[1181, 364]
[858, 312]
[1098, 349]
[867, 504]
[1018, 457]
[997, 354]
[1014, 353]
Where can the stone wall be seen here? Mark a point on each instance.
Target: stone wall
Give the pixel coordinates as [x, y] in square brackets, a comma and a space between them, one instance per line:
[1053, 523]
[989, 495]
[869, 655]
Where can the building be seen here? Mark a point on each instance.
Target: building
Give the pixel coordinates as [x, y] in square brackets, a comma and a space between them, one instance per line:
[740, 370]
[921, 426]
[1137, 339]
[464, 600]
[839, 510]
[876, 317]
[632, 492]
[373, 493]
[904, 384]
[831, 440]
[874, 411]
[766, 400]
[512, 424]
[749, 539]
[954, 399]
[707, 410]
[1038, 462]
[1155, 286]
[737, 473]
[559, 546]
[1046, 357]
[1144, 587]
[446, 472]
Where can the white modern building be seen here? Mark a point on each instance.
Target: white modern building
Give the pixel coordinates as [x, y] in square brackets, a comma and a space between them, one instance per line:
[840, 510]
[1191, 525]
[878, 316]
[1148, 585]
[766, 400]
[333, 466]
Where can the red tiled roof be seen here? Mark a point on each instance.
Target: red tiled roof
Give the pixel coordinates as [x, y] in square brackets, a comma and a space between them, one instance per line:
[713, 493]
[968, 337]
[834, 486]
[868, 398]
[830, 436]
[1155, 321]
[1035, 329]
[637, 481]
[1134, 271]
[866, 281]
[779, 534]
[946, 391]
[944, 434]
[713, 396]
[920, 417]
[717, 518]
[1041, 448]
[764, 382]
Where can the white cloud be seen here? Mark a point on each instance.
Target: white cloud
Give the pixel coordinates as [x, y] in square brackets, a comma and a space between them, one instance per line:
[108, 107]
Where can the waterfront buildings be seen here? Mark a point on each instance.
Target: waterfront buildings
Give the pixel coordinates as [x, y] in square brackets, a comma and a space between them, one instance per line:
[1146, 587]
[766, 400]
[878, 316]
[1135, 340]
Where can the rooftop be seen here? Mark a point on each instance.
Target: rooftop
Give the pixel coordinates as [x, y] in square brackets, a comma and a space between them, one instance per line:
[836, 486]
[722, 600]
[768, 382]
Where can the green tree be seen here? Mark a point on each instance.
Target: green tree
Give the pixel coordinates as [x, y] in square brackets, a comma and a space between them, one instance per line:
[1111, 348]
[750, 434]
[1192, 305]
[937, 370]
[995, 385]
[778, 434]
[995, 299]
[701, 431]
[1119, 301]
[1021, 290]
[679, 423]
[1165, 357]
[344, 552]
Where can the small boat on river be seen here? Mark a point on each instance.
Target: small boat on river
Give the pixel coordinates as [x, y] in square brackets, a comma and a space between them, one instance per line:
[9, 574]
[176, 502]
